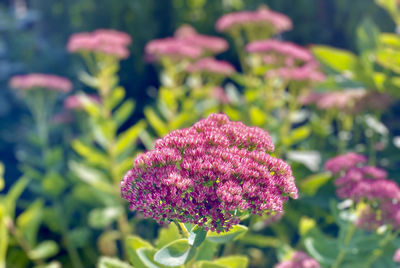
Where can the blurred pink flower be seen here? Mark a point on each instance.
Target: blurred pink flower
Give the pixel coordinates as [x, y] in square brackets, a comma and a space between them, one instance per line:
[35, 80]
[344, 162]
[396, 256]
[300, 259]
[110, 42]
[220, 94]
[211, 65]
[305, 73]
[204, 173]
[287, 50]
[75, 102]
[206, 42]
[276, 22]
[172, 48]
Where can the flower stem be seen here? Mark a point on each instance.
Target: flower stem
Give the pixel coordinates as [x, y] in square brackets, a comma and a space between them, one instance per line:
[342, 252]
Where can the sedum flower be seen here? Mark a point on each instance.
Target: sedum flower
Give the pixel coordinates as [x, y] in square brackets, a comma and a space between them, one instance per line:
[104, 41]
[344, 162]
[212, 66]
[76, 102]
[174, 48]
[209, 43]
[36, 80]
[369, 185]
[208, 175]
[300, 259]
[396, 256]
[263, 17]
[286, 50]
[306, 73]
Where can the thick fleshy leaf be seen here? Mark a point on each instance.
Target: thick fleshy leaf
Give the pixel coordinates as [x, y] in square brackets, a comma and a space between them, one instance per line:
[44, 250]
[338, 59]
[107, 262]
[103, 217]
[196, 236]
[233, 261]
[28, 222]
[91, 176]
[311, 184]
[1, 176]
[225, 237]
[175, 253]
[132, 245]
[206, 251]
[167, 234]
[156, 122]
[90, 153]
[128, 138]
[123, 112]
[146, 255]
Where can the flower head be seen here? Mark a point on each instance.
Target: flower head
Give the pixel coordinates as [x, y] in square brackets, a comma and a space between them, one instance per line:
[396, 256]
[206, 42]
[285, 50]
[45, 81]
[76, 102]
[208, 174]
[212, 66]
[263, 17]
[109, 42]
[344, 162]
[173, 48]
[306, 73]
[300, 259]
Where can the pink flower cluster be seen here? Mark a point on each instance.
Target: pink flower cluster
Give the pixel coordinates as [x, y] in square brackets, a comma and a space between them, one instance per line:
[76, 102]
[360, 182]
[45, 81]
[208, 43]
[300, 259]
[208, 174]
[286, 50]
[305, 73]
[341, 100]
[211, 65]
[276, 22]
[396, 256]
[186, 43]
[109, 42]
[344, 162]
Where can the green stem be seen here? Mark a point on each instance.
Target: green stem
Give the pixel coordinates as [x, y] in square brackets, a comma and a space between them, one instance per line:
[342, 252]
[378, 252]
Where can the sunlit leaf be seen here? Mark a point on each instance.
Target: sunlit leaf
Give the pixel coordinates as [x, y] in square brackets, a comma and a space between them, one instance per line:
[175, 253]
[225, 237]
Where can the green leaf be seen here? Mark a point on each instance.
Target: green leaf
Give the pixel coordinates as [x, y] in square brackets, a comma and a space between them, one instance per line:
[44, 250]
[132, 245]
[100, 218]
[297, 135]
[167, 234]
[208, 264]
[28, 222]
[146, 255]
[123, 112]
[260, 241]
[175, 253]
[117, 95]
[322, 248]
[1, 177]
[257, 116]
[156, 123]
[206, 251]
[4, 238]
[53, 184]
[390, 40]
[311, 184]
[196, 236]
[338, 59]
[13, 194]
[128, 138]
[389, 58]
[91, 176]
[225, 237]
[90, 153]
[233, 261]
[53, 264]
[107, 262]
[367, 35]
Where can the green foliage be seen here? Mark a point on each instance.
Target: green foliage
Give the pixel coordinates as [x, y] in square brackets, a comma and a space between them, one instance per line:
[224, 237]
